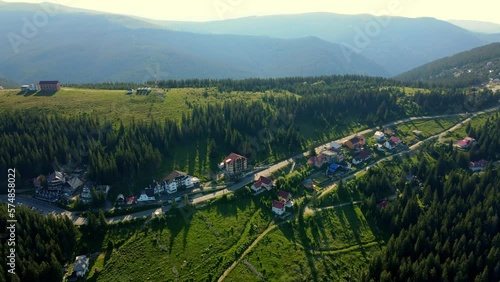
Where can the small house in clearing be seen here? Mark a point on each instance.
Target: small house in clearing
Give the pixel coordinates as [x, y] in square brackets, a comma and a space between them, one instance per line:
[466, 143]
[478, 166]
[52, 85]
[262, 183]
[379, 136]
[146, 195]
[81, 266]
[278, 207]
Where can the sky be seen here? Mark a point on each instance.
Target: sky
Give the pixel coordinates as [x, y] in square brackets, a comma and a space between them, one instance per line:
[208, 10]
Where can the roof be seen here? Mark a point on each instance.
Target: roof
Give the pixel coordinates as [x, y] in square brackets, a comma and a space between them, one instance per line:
[81, 263]
[48, 82]
[329, 153]
[120, 197]
[131, 200]
[395, 139]
[354, 140]
[278, 205]
[379, 133]
[333, 167]
[173, 175]
[148, 192]
[56, 175]
[265, 180]
[233, 156]
[75, 182]
[336, 145]
[284, 194]
[363, 155]
[480, 163]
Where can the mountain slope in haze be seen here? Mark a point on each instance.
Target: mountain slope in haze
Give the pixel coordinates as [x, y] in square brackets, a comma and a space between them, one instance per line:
[6, 83]
[477, 26]
[398, 44]
[79, 47]
[471, 67]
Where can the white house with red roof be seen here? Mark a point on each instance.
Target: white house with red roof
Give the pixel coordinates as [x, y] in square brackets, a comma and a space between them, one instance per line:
[278, 207]
[262, 183]
[478, 166]
[234, 164]
[392, 143]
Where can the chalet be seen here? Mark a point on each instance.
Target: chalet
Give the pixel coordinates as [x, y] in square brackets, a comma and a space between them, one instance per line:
[278, 207]
[286, 198]
[335, 146]
[362, 156]
[177, 180]
[392, 143]
[478, 166]
[55, 181]
[120, 199]
[262, 183]
[333, 156]
[355, 143]
[332, 168]
[234, 164]
[319, 160]
[72, 184]
[146, 195]
[465, 143]
[52, 85]
[81, 266]
[379, 136]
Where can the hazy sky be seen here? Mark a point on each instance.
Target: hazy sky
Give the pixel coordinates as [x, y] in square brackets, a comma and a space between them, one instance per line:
[204, 10]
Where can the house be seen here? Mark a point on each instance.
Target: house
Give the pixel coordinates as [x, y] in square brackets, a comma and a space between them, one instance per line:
[355, 143]
[86, 196]
[73, 184]
[177, 180]
[157, 187]
[120, 199]
[392, 143]
[332, 168]
[25, 88]
[131, 200]
[81, 266]
[466, 143]
[362, 156]
[130, 91]
[286, 198]
[278, 207]
[388, 131]
[478, 166]
[55, 181]
[262, 183]
[37, 182]
[319, 160]
[52, 85]
[234, 164]
[308, 183]
[379, 136]
[103, 189]
[333, 156]
[335, 146]
[34, 87]
[146, 195]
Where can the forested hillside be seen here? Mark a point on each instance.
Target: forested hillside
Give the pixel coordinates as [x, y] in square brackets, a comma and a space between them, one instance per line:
[468, 68]
[446, 229]
[275, 126]
[43, 245]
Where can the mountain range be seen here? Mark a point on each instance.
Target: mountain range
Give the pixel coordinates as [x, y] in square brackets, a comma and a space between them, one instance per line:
[49, 42]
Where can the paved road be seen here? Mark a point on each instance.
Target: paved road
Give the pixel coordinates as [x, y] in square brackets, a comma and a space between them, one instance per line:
[47, 208]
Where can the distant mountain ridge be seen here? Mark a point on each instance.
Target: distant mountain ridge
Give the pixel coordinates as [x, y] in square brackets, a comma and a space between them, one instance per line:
[79, 47]
[6, 83]
[472, 67]
[398, 44]
[477, 26]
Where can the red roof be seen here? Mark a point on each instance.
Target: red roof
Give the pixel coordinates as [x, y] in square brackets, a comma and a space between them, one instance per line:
[395, 139]
[131, 200]
[173, 175]
[365, 154]
[48, 82]
[278, 205]
[257, 183]
[284, 195]
[233, 156]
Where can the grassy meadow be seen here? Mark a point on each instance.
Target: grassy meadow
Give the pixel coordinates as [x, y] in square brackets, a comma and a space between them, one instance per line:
[427, 127]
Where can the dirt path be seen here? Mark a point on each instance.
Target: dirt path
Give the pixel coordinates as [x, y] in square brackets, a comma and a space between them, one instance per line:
[254, 243]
